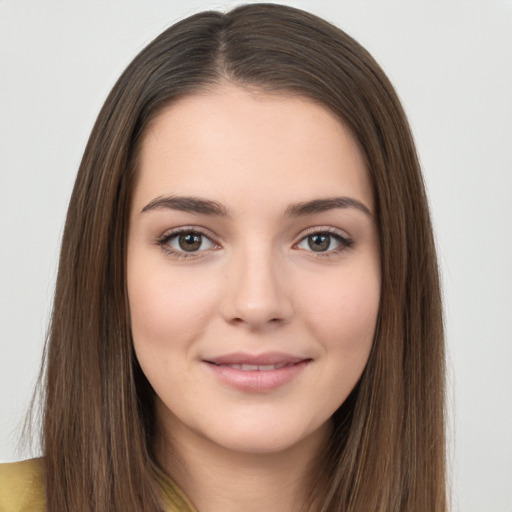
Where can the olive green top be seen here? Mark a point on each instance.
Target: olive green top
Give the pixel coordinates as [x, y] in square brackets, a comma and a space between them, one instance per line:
[22, 489]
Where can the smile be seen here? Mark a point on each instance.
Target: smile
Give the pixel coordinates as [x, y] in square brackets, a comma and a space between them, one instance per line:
[255, 367]
[256, 374]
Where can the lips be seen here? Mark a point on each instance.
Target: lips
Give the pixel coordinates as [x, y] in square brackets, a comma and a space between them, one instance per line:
[255, 367]
[266, 359]
[256, 373]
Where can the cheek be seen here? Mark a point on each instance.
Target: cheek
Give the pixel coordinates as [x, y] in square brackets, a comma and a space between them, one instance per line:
[343, 314]
[344, 319]
[168, 308]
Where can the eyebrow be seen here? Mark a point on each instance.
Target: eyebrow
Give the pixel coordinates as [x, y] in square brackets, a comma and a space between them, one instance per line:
[187, 204]
[202, 206]
[322, 205]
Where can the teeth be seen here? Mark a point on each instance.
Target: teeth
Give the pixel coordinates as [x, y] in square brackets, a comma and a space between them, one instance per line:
[255, 367]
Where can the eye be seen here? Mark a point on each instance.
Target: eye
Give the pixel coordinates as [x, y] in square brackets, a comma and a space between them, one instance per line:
[325, 242]
[190, 242]
[184, 243]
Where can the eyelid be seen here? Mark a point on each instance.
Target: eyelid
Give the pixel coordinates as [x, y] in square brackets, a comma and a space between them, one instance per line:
[324, 229]
[162, 241]
[343, 238]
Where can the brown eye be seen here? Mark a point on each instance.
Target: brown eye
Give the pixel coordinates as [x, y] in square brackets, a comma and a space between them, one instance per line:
[325, 242]
[190, 242]
[319, 242]
[183, 242]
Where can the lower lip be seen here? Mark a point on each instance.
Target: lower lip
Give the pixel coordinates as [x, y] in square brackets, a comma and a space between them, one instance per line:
[257, 380]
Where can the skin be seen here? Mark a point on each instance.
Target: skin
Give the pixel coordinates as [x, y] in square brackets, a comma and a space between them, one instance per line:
[254, 285]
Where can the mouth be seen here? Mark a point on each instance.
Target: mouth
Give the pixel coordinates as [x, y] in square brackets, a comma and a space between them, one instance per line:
[253, 362]
[257, 373]
[254, 367]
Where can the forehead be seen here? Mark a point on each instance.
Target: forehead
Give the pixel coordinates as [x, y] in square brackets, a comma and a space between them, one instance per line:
[241, 146]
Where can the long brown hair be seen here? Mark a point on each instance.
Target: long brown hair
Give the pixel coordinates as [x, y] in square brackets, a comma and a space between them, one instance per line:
[387, 452]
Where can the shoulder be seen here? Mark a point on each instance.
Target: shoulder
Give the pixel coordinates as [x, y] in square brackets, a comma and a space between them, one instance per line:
[22, 487]
[175, 499]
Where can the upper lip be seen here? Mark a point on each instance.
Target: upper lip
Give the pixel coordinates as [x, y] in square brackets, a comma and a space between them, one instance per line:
[267, 358]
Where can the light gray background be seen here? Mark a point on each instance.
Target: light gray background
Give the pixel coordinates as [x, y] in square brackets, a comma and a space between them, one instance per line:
[451, 62]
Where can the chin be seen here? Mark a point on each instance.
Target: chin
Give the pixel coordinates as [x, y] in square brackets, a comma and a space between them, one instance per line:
[267, 438]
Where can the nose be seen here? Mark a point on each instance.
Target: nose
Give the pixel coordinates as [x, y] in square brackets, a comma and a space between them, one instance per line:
[256, 295]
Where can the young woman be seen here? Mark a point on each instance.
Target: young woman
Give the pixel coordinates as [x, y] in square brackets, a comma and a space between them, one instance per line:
[247, 313]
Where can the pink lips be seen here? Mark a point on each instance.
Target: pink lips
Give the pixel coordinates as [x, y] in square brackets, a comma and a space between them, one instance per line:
[263, 372]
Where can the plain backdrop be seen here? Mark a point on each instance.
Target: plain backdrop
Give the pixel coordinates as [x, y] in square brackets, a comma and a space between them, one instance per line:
[451, 63]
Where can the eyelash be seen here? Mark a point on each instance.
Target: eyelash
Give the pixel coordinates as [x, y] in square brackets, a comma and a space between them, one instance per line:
[163, 241]
[344, 241]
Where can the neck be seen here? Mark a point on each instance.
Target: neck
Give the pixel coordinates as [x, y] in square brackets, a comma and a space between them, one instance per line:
[219, 480]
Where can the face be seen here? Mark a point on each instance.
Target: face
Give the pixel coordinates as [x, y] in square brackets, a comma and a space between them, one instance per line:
[253, 268]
